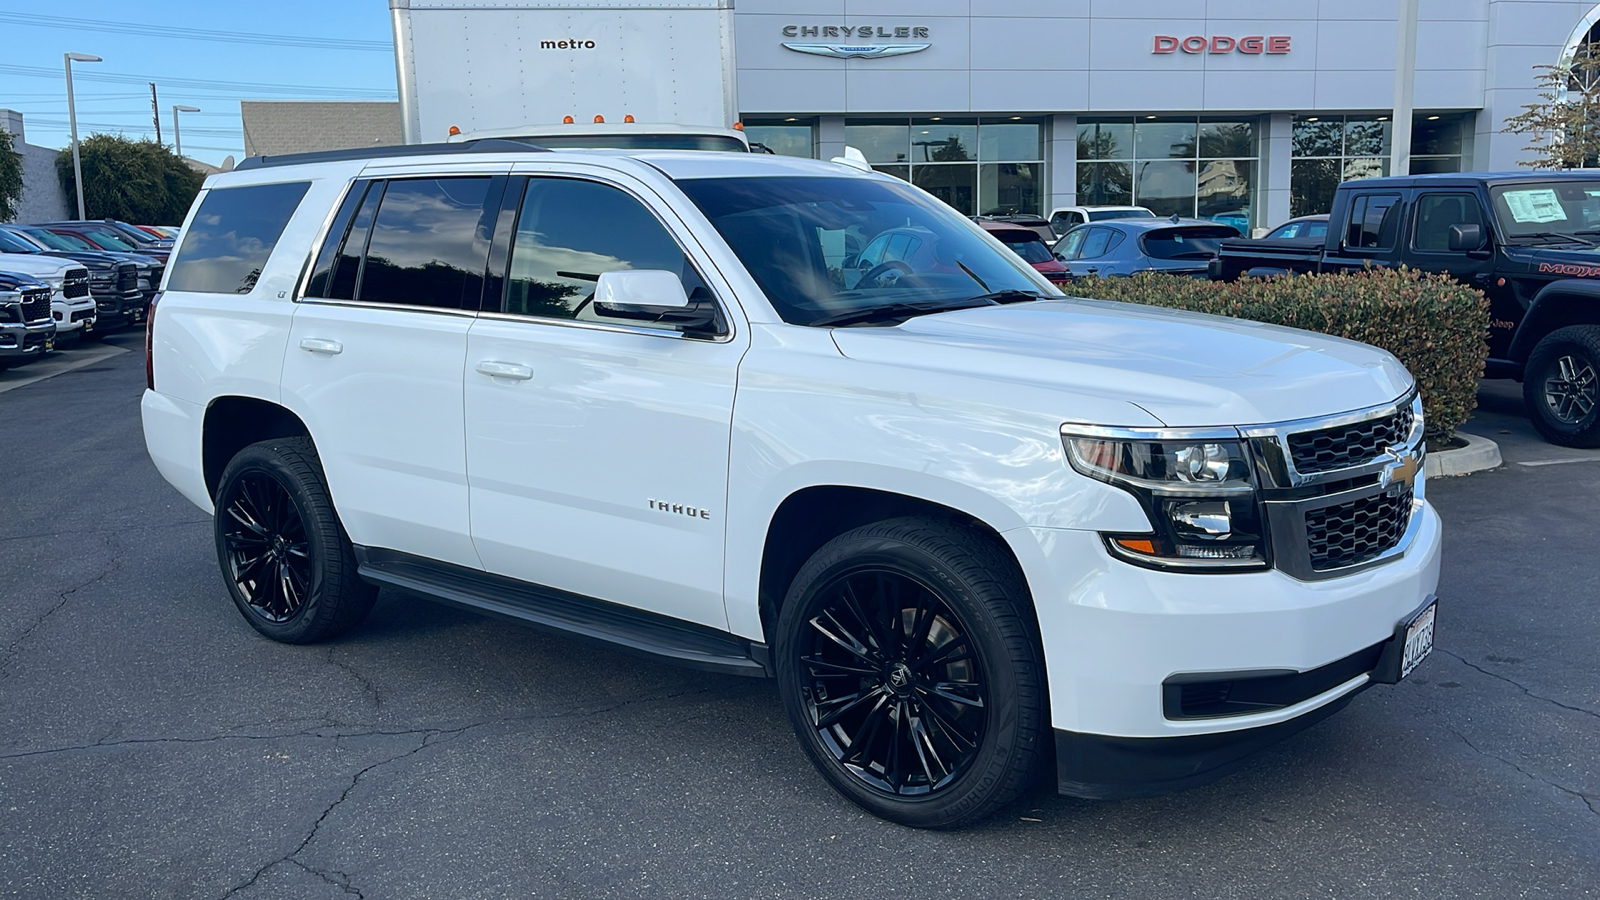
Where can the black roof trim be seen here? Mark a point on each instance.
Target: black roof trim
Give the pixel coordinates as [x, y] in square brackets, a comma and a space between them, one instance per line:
[482, 145]
[1471, 179]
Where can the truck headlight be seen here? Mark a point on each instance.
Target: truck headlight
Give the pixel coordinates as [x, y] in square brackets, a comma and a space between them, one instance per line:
[1197, 486]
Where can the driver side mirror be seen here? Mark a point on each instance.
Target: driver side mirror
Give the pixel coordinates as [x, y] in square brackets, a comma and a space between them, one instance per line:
[655, 295]
[1466, 238]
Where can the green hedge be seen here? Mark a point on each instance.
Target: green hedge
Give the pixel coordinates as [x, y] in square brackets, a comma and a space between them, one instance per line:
[1433, 324]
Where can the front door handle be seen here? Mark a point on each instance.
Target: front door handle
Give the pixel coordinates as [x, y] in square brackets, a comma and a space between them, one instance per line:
[318, 345]
[505, 370]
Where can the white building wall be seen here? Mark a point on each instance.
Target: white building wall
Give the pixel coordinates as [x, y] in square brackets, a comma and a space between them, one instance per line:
[43, 200]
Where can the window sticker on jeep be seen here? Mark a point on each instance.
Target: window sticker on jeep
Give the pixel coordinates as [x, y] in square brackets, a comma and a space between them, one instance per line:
[1535, 206]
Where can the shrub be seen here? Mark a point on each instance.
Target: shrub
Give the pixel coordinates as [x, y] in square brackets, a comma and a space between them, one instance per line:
[1433, 324]
[135, 181]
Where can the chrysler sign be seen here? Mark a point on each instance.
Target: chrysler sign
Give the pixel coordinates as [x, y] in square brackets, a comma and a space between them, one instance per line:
[859, 42]
[1195, 44]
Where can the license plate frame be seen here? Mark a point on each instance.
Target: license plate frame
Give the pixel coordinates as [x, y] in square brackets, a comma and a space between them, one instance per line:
[1416, 639]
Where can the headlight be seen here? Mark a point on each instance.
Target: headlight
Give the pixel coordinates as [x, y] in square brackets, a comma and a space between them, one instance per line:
[56, 283]
[1197, 486]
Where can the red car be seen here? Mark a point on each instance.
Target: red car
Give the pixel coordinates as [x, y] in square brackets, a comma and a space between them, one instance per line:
[1026, 243]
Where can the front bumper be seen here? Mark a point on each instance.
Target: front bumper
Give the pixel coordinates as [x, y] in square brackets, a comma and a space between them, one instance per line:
[26, 342]
[1115, 635]
[72, 317]
[117, 309]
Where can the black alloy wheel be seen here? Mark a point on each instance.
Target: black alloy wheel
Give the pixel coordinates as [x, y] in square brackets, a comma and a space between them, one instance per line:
[894, 689]
[1561, 387]
[909, 663]
[268, 554]
[285, 558]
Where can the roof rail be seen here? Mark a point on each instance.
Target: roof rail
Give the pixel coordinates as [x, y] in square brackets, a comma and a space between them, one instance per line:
[483, 145]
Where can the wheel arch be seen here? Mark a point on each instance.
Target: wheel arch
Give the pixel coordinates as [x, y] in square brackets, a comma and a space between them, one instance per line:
[1557, 305]
[811, 516]
[235, 422]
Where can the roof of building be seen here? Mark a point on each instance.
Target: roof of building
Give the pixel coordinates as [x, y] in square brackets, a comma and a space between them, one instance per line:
[274, 127]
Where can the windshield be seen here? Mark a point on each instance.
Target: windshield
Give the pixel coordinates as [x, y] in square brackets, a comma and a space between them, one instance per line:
[1199, 242]
[820, 247]
[58, 242]
[1542, 209]
[109, 240]
[1100, 215]
[1030, 248]
[10, 243]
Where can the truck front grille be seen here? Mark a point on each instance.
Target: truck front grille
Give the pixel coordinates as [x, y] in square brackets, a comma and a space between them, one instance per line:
[1344, 446]
[155, 277]
[127, 277]
[36, 305]
[1356, 532]
[76, 284]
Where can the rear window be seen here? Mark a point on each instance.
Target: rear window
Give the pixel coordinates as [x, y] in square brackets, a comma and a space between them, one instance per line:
[1100, 215]
[1198, 242]
[232, 234]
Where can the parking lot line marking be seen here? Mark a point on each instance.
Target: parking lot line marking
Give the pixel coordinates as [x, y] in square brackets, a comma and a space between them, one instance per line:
[1557, 462]
[49, 368]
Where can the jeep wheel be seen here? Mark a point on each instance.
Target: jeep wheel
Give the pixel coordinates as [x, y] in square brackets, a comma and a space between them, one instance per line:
[911, 674]
[284, 556]
[1561, 386]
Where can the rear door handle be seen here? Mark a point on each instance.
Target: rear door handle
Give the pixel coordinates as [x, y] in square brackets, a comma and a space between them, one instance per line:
[318, 345]
[505, 370]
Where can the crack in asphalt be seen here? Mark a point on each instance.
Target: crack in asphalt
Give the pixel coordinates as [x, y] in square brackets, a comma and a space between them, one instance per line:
[95, 531]
[1587, 800]
[15, 647]
[1496, 675]
[336, 735]
[367, 685]
[342, 882]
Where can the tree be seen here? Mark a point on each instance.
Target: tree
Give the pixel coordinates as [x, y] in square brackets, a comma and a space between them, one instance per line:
[10, 177]
[135, 181]
[1565, 123]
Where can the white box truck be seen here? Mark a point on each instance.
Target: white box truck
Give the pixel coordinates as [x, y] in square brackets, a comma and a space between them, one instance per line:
[634, 73]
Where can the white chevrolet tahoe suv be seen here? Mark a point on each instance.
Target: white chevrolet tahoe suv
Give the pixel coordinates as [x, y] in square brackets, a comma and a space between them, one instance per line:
[653, 400]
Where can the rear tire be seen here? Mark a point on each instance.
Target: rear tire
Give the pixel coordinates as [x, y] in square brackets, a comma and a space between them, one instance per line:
[1561, 386]
[911, 673]
[285, 558]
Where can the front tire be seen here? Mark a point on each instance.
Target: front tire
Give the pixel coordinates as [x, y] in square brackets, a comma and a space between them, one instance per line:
[911, 674]
[285, 558]
[1561, 386]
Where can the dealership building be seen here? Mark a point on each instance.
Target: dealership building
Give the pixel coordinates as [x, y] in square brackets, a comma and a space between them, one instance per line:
[1248, 111]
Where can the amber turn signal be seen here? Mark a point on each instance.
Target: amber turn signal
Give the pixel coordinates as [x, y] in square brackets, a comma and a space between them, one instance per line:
[1138, 546]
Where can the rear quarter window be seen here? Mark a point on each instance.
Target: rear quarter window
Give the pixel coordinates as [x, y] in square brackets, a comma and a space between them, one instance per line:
[231, 235]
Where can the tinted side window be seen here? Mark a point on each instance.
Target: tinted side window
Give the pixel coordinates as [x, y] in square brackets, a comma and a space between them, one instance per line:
[1437, 212]
[1096, 244]
[429, 244]
[232, 234]
[1374, 222]
[569, 232]
[322, 269]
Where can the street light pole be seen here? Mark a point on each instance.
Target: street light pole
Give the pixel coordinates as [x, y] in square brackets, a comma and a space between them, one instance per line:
[72, 116]
[177, 139]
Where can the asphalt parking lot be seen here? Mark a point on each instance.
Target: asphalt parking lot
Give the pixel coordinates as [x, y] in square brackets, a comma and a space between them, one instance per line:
[153, 745]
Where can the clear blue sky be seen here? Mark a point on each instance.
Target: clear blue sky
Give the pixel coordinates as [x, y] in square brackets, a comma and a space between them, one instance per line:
[199, 70]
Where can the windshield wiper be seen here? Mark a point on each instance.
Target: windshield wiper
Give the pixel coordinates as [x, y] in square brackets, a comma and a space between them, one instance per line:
[899, 311]
[1555, 236]
[1012, 296]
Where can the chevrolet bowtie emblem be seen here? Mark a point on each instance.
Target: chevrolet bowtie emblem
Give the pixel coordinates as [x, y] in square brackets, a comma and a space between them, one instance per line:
[1401, 470]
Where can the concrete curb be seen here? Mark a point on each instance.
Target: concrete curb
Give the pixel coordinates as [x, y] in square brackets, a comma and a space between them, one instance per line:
[1479, 454]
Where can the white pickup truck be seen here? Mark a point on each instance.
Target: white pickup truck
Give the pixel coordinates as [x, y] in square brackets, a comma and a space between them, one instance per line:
[655, 400]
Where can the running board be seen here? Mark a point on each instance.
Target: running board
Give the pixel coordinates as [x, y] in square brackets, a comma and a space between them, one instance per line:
[573, 615]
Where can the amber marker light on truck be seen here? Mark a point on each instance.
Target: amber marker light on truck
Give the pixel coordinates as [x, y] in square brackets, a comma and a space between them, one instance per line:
[566, 120]
[599, 120]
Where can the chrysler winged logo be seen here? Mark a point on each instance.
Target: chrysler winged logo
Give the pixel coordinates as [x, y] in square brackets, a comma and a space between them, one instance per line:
[856, 51]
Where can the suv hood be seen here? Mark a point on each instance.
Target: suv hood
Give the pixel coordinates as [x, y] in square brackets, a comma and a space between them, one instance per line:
[1184, 368]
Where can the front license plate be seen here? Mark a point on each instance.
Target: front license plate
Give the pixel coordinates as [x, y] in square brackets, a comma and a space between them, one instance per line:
[1419, 641]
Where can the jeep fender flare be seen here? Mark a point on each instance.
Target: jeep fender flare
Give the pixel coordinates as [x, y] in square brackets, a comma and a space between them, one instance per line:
[1544, 313]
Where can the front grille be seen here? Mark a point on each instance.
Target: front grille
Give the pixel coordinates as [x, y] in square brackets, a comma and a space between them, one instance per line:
[78, 315]
[36, 305]
[1343, 446]
[155, 277]
[1350, 534]
[127, 277]
[76, 284]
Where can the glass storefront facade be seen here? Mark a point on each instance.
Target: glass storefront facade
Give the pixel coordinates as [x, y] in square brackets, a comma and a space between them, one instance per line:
[1334, 148]
[979, 166]
[1186, 166]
